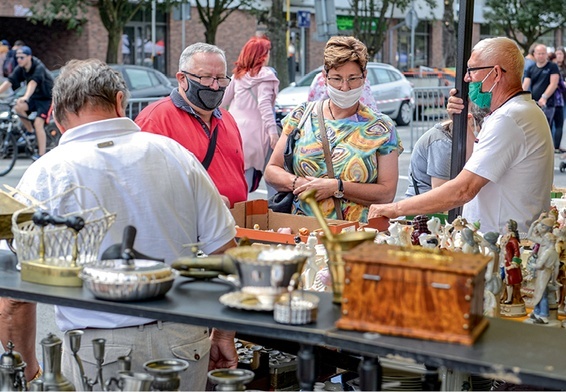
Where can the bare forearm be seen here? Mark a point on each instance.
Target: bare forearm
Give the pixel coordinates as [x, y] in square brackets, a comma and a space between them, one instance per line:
[18, 325]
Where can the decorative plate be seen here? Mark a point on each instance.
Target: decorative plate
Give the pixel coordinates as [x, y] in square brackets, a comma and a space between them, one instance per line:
[240, 300]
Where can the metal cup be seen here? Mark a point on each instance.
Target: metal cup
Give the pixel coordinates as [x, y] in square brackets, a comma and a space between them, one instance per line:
[335, 249]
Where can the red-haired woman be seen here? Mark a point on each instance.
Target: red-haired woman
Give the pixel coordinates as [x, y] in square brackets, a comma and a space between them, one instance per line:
[250, 99]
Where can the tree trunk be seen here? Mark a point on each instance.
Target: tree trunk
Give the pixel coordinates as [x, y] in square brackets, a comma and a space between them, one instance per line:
[114, 41]
[276, 32]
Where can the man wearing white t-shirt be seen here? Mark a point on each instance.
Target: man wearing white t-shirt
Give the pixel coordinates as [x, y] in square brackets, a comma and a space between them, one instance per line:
[509, 174]
[149, 181]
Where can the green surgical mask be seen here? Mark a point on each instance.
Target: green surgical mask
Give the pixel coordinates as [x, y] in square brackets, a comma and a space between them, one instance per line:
[480, 98]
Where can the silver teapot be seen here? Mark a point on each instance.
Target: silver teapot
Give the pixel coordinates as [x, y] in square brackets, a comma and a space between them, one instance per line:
[12, 369]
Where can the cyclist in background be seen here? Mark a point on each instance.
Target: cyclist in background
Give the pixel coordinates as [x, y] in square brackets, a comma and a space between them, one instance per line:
[37, 97]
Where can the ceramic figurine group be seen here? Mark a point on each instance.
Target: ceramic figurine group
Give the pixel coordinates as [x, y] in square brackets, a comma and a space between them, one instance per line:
[508, 280]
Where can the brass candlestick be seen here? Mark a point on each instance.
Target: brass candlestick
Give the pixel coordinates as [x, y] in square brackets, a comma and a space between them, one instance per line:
[336, 245]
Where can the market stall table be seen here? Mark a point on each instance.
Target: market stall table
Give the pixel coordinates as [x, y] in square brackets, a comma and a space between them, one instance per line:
[507, 350]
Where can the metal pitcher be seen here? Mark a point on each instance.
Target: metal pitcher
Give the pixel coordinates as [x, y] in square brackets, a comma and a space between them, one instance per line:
[12, 369]
[53, 379]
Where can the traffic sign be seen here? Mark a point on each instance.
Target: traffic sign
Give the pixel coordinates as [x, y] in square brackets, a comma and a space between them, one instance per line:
[303, 19]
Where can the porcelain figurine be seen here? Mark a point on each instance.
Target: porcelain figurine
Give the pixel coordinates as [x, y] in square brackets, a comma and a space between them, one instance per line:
[431, 240]
[543, 225]
[547, 263]
[493, 282]
[458, 225]
[399, 234]
[470, 243]
[512, 303]
[419, 227]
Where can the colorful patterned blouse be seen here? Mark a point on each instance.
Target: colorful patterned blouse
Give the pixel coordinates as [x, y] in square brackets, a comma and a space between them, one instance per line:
[355, 143]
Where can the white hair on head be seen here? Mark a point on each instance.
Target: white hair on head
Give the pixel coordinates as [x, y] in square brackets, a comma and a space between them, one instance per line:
[504, 52]
[199, 47]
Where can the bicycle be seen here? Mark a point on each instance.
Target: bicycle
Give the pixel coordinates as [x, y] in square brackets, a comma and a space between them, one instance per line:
[15, 140]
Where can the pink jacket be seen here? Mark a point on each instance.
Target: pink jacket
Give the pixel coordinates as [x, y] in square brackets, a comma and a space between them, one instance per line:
[250, 100]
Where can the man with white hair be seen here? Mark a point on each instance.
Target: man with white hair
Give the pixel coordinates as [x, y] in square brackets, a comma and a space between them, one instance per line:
[509, 174]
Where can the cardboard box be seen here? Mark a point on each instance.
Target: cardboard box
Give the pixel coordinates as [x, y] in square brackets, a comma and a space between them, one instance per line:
[9, 205]
[414, 292]
[255, 212]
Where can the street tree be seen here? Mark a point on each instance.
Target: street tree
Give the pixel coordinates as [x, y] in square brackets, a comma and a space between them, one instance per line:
[276, 32]
[371, 19]
[449, 45]
[114, 14]
[525, 21]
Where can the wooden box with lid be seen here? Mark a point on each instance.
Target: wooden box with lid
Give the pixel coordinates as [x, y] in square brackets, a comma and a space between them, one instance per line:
[414, 292]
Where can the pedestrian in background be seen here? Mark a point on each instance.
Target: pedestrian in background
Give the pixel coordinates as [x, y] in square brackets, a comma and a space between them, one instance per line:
[250, 98]
[191, 115]
[560, 97]
[36, 98]
[432, 155]
[542, 80]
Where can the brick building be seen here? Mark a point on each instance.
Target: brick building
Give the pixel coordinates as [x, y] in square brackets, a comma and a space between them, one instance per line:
[55, 45]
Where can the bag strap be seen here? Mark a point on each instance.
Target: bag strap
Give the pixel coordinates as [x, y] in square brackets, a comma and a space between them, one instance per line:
[294, 136]
[211, 148]
[327, 155]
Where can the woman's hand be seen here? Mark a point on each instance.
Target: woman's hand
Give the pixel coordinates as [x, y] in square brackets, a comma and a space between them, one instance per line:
[273, 139]
[324, 187]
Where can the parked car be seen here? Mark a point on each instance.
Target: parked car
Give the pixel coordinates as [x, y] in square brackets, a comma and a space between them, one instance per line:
[143, 82]
[392, 92]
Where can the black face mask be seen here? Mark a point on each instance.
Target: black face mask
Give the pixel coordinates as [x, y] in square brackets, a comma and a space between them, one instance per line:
[202, 96]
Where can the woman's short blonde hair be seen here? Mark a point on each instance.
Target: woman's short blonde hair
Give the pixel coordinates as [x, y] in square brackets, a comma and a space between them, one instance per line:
[341, 50]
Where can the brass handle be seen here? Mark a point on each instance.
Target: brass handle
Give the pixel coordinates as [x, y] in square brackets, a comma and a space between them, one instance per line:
[309, 198]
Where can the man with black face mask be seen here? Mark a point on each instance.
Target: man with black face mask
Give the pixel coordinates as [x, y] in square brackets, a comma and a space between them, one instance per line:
[191, 116]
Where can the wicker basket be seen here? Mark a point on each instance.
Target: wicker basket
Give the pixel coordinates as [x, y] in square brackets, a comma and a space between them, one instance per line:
[55, 255]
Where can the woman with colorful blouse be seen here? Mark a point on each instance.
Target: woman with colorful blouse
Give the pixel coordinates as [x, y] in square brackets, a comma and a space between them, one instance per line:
[364, 145]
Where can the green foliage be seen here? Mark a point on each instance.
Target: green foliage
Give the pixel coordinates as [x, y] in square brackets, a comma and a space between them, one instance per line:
[526, 20]
[70, 11]
[213, 13]
[371, 20]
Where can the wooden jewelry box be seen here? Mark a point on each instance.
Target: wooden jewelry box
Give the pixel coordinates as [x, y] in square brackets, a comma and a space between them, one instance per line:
[414, 292]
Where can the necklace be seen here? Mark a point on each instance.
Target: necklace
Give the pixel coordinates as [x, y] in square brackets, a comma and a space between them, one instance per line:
[332, 114]
[330, 110]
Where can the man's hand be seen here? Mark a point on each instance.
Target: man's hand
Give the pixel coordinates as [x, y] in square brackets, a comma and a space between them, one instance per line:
[388, 210]
[223, 353]
[455, 104]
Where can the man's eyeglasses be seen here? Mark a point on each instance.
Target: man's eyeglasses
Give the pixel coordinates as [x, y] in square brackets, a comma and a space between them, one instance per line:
[208, 80]
[20, 57]
[353, 82]
[474, 69]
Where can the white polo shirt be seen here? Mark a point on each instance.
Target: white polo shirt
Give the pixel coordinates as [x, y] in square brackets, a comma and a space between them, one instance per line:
[150, 181]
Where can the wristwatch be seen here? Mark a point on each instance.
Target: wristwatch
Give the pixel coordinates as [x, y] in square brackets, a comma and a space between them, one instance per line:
[340, 192]
[545, 96]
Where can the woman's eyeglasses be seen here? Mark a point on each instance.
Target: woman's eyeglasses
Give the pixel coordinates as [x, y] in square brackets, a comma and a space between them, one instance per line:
[353, 82]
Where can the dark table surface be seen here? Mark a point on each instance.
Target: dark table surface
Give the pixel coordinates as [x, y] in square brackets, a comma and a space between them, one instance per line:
[508, 350]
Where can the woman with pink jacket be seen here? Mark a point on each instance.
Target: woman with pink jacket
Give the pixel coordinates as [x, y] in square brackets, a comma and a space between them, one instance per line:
[250, 98]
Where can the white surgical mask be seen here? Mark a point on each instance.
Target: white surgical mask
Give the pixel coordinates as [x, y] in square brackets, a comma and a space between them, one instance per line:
[344, 99]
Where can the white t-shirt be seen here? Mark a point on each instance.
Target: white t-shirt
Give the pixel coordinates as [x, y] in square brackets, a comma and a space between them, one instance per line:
[515, 153]
[150, 181]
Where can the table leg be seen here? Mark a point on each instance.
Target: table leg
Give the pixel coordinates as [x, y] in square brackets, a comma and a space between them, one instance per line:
[306, 367]
[371, 374]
